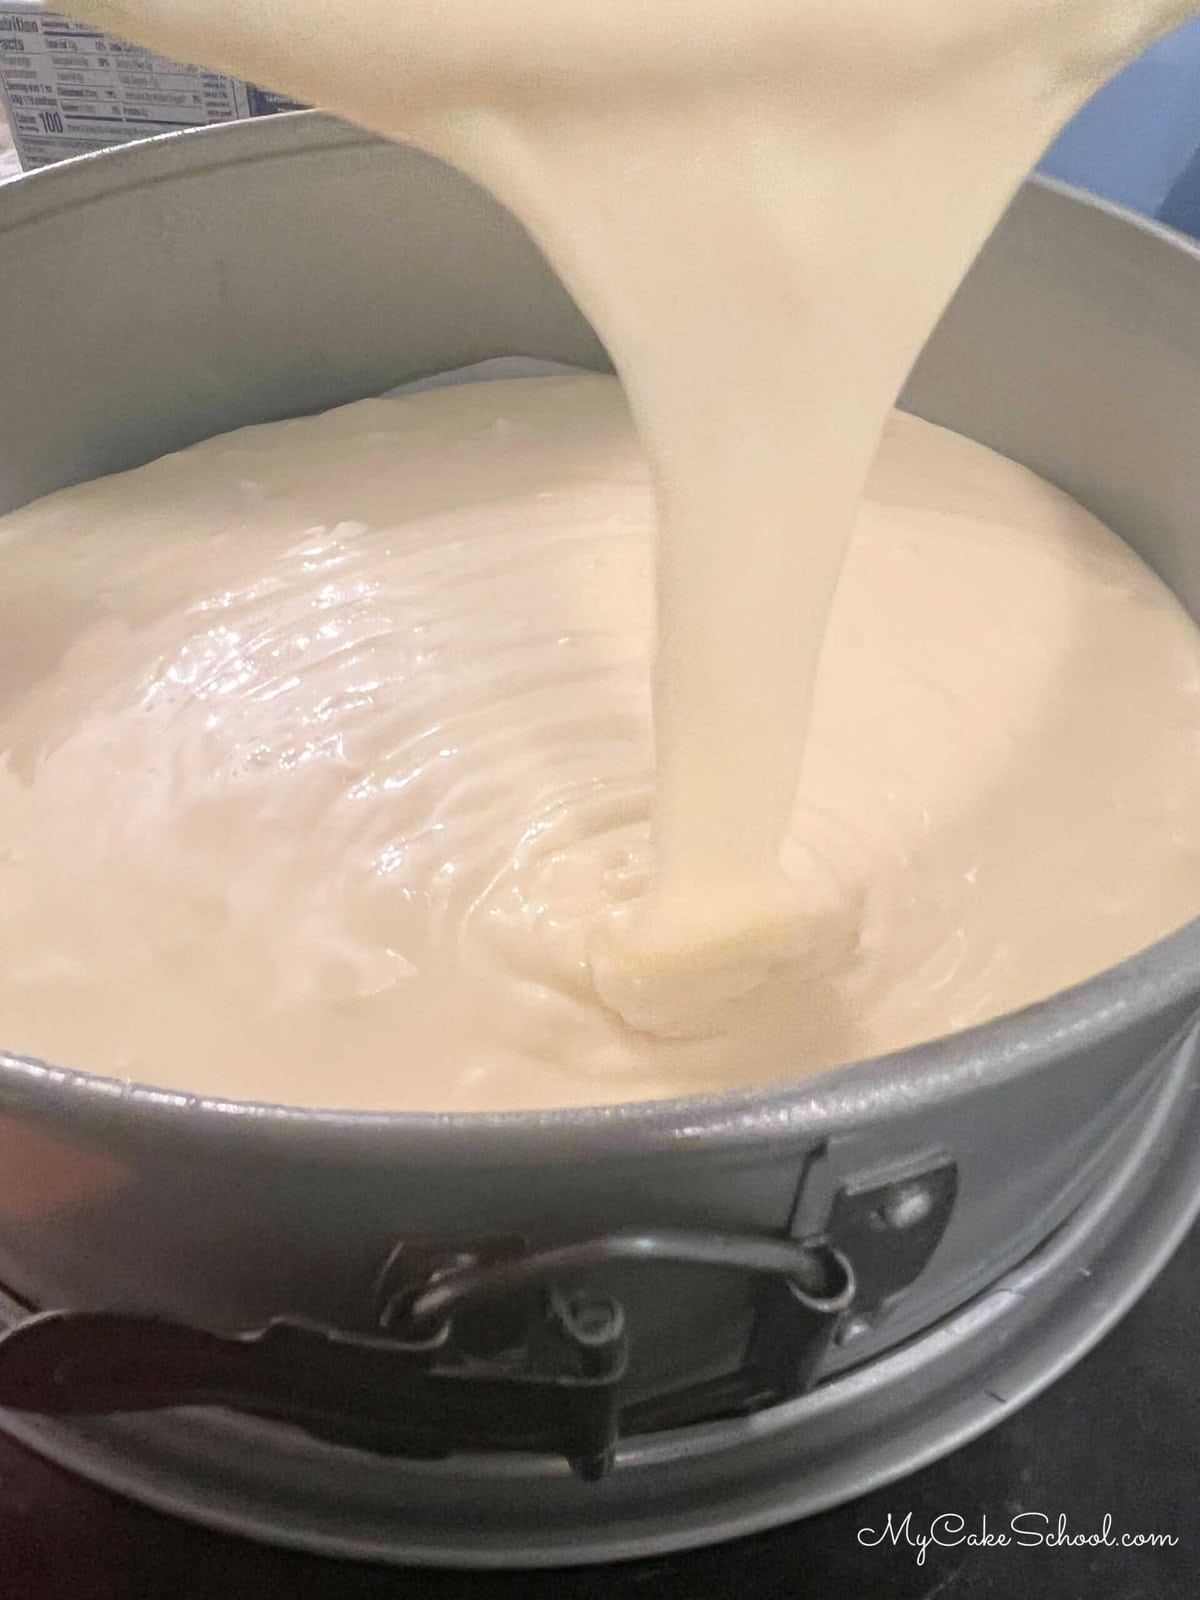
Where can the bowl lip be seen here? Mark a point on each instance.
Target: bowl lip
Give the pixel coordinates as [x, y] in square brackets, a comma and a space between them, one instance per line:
[1157, 982]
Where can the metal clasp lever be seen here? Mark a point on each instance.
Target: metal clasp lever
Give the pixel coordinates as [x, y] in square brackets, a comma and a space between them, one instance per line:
[482, 1349]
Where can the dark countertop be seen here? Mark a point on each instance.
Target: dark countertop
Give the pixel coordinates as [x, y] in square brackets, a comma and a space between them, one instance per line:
[1117, 1435]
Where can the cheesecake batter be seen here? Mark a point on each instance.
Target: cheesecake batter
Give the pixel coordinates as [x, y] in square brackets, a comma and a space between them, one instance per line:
[763, 206]
[326, 743]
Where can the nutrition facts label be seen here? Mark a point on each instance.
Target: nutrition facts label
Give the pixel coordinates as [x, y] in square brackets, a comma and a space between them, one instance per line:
[70, 89]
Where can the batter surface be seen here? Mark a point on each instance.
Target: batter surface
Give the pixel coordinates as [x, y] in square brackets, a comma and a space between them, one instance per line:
[763, 207]
[323, 746]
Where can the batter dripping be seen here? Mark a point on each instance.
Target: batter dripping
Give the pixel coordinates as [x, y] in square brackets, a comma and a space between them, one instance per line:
[763, 206]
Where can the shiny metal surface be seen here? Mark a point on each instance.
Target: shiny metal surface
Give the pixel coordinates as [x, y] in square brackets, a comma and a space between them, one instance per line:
[699, 1485]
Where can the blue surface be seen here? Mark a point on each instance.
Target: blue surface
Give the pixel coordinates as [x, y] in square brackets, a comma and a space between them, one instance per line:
[1138, 141]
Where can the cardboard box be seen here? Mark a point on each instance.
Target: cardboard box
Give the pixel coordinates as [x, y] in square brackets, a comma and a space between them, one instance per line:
[68, 89]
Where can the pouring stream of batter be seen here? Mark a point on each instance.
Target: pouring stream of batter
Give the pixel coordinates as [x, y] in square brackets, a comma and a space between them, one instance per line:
[763, 206]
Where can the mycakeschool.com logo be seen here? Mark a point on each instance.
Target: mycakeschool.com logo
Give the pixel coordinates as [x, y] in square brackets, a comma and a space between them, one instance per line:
[1026, 1530]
